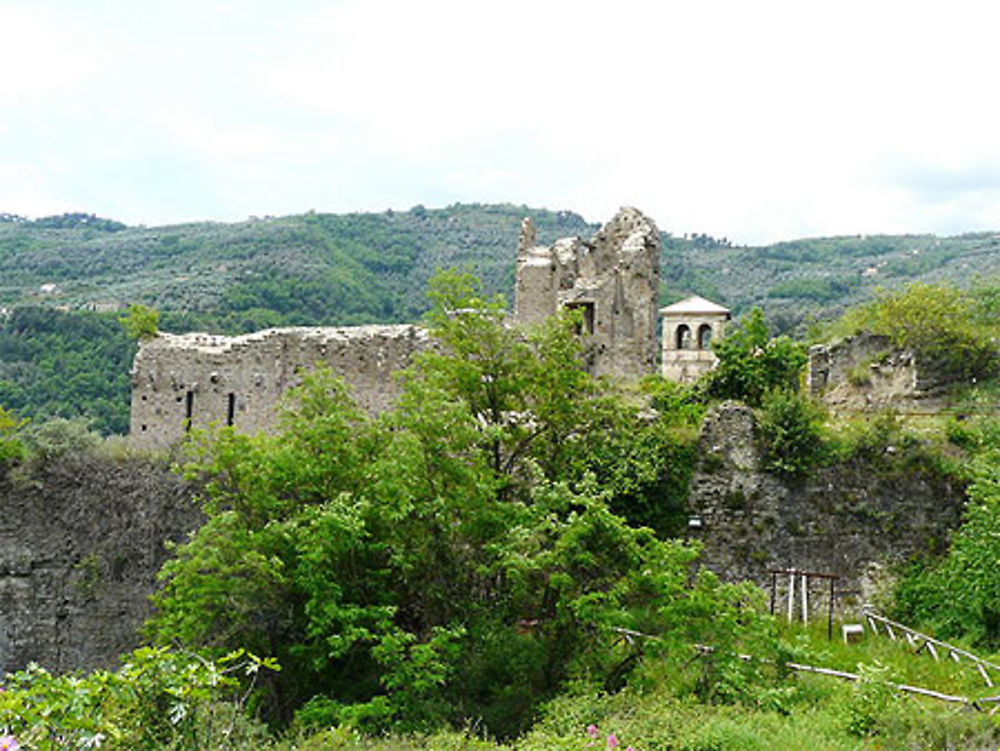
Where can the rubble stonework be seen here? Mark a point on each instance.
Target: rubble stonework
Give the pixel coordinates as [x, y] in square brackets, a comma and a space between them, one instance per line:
[840, 519]
[193, 380]
[866, 371]
[612, 279]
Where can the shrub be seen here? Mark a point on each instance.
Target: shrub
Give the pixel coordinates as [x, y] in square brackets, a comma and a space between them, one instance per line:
[751, 363]
[791, 427]
[939, 322]
[59, 436]
[158, 699]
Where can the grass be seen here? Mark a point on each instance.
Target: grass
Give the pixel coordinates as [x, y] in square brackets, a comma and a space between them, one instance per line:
[799, 711]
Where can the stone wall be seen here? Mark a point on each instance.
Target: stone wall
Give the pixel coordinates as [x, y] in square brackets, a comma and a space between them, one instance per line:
[866, 371]
[840, 520]
[81, 540]
[193, 380]
[613, 279]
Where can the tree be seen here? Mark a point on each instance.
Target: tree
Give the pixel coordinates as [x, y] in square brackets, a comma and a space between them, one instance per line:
[441, 564]
[751, 363]
[140, 322]
[939, 322]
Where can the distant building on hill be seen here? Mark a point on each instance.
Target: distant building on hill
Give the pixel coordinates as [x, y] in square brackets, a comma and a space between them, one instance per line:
[689, 327]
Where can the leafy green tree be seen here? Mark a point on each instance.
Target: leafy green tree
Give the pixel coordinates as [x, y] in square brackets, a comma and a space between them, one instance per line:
[445, 563]
[940, 322]
[140, 322]
[751, 363]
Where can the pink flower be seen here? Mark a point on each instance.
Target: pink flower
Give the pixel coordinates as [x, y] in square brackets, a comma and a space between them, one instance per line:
[9, 743]
[612, 741]
[592, 730]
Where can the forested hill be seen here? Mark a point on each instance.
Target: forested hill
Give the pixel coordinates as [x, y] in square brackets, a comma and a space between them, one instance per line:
[296, 270]
[363, 268]
[62, 279]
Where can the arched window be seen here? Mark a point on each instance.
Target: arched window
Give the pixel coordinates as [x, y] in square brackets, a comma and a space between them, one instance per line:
[705, 336]
[682, 337]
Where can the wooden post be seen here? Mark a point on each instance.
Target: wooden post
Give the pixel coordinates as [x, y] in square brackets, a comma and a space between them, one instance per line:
[829, 620]
[774, 589]
[791, 595]
[805, 599]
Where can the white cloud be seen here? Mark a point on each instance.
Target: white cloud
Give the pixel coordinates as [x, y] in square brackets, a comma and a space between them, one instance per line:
[41, 56]
[759, 121]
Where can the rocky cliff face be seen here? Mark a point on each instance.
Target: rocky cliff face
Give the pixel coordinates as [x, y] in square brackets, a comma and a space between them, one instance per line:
[81, 540]
[841, 520]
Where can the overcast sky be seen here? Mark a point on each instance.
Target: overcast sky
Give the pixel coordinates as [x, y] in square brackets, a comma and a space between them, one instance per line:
[758, 120]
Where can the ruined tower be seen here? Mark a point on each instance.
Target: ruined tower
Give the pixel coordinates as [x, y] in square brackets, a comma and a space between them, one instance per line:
[613, 279]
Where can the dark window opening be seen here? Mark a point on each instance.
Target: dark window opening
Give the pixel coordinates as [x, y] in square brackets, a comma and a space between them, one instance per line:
[231, 410]
[705, 336]
[189, 411]
[586, 324]
[682, 337]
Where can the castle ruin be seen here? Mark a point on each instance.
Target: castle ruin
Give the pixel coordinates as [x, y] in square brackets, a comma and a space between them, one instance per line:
[182, 382]
[613, 279]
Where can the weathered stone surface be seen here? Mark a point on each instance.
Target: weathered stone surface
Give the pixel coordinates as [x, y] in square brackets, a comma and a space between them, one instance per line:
[866, 371]
[838, 520]
[199, 379]
[613, 279]
[80, 545]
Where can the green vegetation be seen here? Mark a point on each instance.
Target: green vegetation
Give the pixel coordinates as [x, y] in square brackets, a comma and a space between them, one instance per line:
[752, 364]
[57, 364]
[157, 699]
[453, 562]
[959, 594]
[950, 328]
[140, 322]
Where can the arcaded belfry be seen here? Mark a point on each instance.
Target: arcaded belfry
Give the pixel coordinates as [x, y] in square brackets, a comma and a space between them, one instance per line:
[689, 327]
[613, 279]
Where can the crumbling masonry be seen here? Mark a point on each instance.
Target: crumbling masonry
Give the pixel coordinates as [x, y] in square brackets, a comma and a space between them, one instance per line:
[613, 280]
[180, 382]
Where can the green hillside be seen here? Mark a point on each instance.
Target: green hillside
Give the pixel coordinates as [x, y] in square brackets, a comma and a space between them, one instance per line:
[328, 269]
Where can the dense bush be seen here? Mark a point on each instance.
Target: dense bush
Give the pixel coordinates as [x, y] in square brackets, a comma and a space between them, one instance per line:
[158, 699]
[751, 363]
[791, 427]
[942, 324]
[959, 595]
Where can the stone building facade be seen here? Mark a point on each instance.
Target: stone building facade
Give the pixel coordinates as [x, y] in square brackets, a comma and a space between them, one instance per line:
[689, 328]
[189, 381]
[613, 279]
